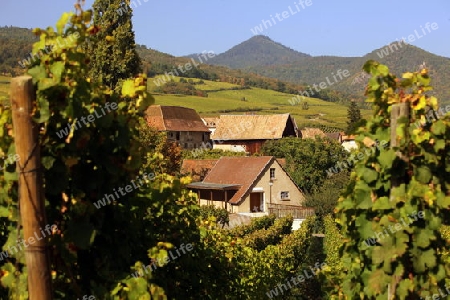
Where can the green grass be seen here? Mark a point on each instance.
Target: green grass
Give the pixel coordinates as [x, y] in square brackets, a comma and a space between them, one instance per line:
[263, 101]
[259, 100]
[206, 86]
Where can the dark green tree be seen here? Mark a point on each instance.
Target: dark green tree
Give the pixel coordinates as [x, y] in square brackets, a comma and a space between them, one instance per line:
[112, 52]
[325, 197]
[306, 159]
[353, 117]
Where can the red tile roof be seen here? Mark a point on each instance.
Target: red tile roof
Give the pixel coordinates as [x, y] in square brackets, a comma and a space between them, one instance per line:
[197, 167]
[174, 118]
[239, 170]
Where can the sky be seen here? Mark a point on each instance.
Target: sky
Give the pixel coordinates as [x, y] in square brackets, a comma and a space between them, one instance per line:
[315, 27]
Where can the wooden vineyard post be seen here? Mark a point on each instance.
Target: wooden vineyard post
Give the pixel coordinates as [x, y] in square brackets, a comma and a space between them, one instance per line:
[400, 110]
[32, 210]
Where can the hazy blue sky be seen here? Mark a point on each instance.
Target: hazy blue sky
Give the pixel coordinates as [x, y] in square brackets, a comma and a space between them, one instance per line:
[326, 27]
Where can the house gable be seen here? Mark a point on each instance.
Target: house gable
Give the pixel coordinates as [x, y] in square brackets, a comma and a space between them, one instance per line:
[273, 188]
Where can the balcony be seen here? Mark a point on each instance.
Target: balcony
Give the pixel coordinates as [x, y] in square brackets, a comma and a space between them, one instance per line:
[298, 212]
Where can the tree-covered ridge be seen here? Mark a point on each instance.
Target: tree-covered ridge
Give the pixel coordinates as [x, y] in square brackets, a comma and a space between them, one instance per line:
[15, 45]
[317, 69]
[259, 50]
[17, 33]
[154, 63]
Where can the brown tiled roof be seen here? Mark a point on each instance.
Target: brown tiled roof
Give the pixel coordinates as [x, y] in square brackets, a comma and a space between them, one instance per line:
[252, 127]
[238, 170]
[333, 135]
[311, 133]
[197, 167]
[174, 118]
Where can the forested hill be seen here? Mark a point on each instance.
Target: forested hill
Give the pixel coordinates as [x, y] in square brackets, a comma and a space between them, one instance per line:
[259, 50]
[16, 44]
[313, 70]
[264, 63]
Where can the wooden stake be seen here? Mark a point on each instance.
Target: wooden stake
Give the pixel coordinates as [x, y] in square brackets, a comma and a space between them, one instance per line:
[400, 110]
[32, 210]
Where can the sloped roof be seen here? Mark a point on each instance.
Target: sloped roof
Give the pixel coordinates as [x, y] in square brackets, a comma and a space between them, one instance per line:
[174, 118]
[333, 135]
[311, 133]
[238, 170]
[211, 122]
[252, 127]
[196, 167]
[347, 137]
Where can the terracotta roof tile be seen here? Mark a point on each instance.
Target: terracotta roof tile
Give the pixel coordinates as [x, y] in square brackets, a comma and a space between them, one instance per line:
[197, 167]
[238, 170]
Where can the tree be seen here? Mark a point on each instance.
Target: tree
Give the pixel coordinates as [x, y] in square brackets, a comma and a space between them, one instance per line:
[306, 159]
[324, 198]
[353, 117]
[154, 141]
[112, 51]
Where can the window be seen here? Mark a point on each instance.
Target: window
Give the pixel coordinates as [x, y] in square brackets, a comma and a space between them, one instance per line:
[272, 173]
[284, 195]
[178, 136]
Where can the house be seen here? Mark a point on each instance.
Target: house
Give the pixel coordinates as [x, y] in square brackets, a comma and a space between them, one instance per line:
[335, 136]
[183, 125]
[348, 142]
[247, 133]
[197, 168]
[254, 186]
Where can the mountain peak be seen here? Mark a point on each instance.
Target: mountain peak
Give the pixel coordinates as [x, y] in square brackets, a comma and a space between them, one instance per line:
[258, 50]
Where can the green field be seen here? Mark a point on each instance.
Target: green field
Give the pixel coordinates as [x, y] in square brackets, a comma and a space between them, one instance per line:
[261, 101]
[225, 97]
